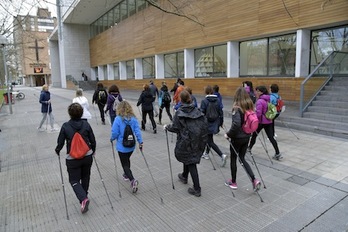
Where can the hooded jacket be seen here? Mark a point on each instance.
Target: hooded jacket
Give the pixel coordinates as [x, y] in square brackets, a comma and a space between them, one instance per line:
[191, 127]
[46, 106]
[213, 99]
[145, 100]
[67, 132]
[261, 109]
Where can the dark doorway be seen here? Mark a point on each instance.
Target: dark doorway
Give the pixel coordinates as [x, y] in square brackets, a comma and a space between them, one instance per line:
[40, 80]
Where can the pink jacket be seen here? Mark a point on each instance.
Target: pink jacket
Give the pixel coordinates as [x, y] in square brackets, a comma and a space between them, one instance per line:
[261, 109]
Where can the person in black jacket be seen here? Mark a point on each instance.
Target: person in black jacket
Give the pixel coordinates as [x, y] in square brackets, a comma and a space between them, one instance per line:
[145, 100]
[79, 170]
[100, 97]
[191, 127]
[210, 98]
[46, 108]
[239, 139]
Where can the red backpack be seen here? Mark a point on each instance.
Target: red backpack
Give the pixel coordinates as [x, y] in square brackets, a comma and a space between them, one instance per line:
[250, 122]
[78, 146]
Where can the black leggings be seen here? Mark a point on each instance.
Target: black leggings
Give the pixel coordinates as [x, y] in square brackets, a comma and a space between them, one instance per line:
[79, 171]
[212, 145]
[143, 122]
[125, 162]
[240, 145]
[101, 110]
[167, 106]
[192, 169]
[270, 134]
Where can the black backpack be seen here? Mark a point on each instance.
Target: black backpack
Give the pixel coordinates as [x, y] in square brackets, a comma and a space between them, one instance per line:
[211, 113]
[166, 97]
[128, 137]
[102, 98]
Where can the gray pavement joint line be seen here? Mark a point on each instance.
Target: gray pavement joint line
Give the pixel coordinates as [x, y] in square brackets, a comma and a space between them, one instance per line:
[323, 213]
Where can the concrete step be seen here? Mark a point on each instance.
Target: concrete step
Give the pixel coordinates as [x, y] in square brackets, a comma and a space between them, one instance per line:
[342, 98]
[334, 92]
[314, 129]
[313, 122]
[337, 88]
[336, 104]
[326, 116]
[328, 109]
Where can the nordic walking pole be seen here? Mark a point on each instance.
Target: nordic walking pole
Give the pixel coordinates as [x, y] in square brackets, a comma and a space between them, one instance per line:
[223, 176]
[264, 147]
[101, 178]
[61, 176]
[210, 157]
[95, 114]
[147, 165]
[241, 163]
[170, 163]
[257, 168]
[118, 182]
[289, 129]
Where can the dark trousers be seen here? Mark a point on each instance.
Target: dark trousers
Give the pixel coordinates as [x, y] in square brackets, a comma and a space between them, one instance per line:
[212, 145]
[101, 110]
[79, 171]
[192, 169]
[270, 134]
[273, 122]
[143, 122]
[240, 145]
[167, 106]
[125, 162]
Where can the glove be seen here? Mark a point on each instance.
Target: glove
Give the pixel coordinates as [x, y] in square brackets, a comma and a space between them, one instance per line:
[141, 146]
[226, 136]
[57, 152]
[111, 140]
[106, 111]
[165, 127]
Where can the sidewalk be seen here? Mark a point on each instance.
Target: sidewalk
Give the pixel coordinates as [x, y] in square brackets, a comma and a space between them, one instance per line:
[306, 191]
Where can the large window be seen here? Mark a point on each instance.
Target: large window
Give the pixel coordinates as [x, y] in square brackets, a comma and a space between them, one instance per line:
[211, 61]
[148, 67]
[130, 69]
[325, 41]
[174, 65]
[273, 56]
[116, 71]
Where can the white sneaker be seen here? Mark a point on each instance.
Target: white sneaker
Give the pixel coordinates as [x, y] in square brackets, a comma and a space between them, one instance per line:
[223, 160]
[54, 129]
[205, 156]
[40, 129]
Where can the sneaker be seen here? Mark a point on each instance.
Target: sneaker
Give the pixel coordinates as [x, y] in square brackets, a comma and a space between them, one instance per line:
[134, 185]
[277, 156]
[125, 177]
[40, 129]
[194, 192]
[103, 123]
[182, 178]
[223, 160]
[205, 156]
[54, 129]
[84, 205]
[154, 131]
[230, 184]
[256, 185]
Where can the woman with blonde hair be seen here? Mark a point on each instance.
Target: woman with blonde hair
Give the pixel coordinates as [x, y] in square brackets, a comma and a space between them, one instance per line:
[125, 116]
[46, 108]
[239, 139]
[83, 101]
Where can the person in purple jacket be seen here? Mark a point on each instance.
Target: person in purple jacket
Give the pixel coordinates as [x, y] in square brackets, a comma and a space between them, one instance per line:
[114, 95]
[264, 123]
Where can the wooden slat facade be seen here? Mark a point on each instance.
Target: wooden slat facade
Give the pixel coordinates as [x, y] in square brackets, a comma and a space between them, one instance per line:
[153, 32]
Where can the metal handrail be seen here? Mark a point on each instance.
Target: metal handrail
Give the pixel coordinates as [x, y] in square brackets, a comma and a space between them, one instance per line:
[331, 56]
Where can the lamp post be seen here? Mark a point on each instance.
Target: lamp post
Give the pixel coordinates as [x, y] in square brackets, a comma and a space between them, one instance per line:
[3, 42]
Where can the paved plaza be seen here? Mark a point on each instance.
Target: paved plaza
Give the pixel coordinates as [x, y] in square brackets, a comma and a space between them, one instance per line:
[306, 191]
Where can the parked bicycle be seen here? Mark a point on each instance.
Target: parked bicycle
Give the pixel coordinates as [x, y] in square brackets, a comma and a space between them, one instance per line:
[18, 95]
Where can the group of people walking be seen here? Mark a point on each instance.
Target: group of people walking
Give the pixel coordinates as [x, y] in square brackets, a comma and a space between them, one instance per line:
[195, 128]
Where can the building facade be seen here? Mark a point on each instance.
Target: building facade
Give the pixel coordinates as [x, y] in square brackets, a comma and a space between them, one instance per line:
[199, 40]
[32, 50]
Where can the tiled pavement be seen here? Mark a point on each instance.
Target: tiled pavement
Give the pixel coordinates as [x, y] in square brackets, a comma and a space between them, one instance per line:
[306, 191]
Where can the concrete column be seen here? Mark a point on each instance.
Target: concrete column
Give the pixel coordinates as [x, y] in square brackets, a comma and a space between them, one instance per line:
[110, 71]
[303, 43]
[232, 59]
[138, 68]
[159, 66]
[189, 63]
[101, 72]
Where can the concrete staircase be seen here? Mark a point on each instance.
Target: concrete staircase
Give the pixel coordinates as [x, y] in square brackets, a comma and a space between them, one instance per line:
[328, 113]
[87, 85]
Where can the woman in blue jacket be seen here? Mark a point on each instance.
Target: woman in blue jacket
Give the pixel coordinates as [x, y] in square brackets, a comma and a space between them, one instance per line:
[125, 115]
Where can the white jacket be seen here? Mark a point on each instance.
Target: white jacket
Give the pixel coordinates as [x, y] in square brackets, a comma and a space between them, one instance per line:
[84, 103]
